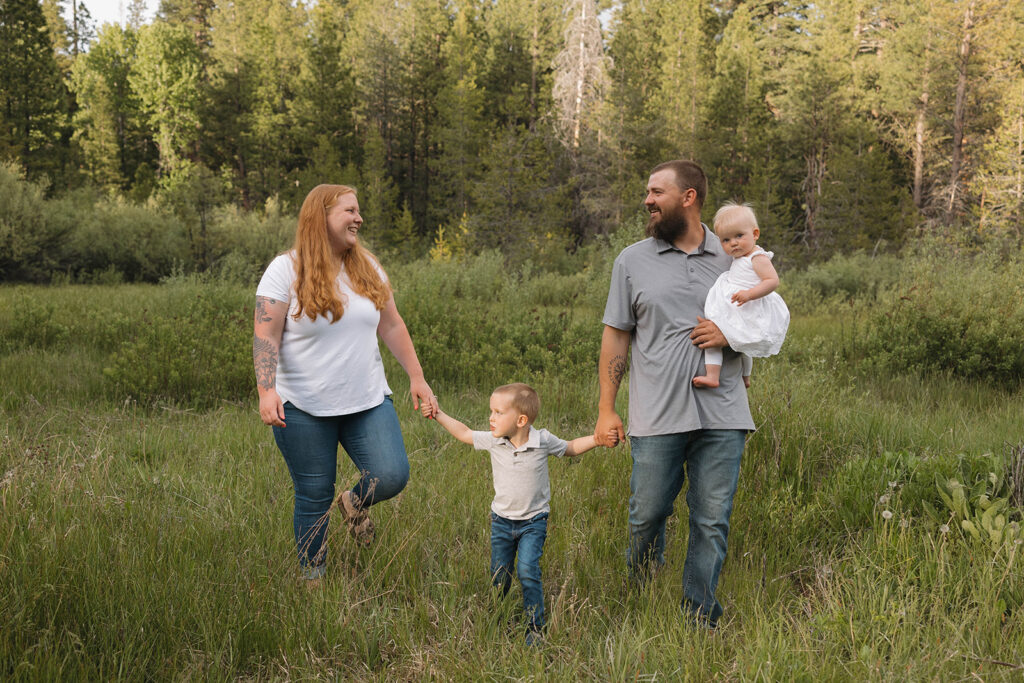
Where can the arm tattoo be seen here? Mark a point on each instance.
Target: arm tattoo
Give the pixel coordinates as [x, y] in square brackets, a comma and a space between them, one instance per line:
[264, 356]
[616, 369]
[261, 309]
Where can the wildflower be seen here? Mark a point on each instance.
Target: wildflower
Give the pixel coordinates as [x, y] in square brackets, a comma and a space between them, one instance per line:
[883, 499]
[904, 523]
[892, 484]
[886, 514]
[944, 529]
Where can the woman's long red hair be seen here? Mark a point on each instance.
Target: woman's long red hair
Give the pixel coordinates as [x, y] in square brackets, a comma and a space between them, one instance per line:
[317, 266]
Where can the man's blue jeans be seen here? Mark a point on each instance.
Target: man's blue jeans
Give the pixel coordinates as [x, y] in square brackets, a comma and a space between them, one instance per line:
[527, 537]
[711, 459]
[373, 441]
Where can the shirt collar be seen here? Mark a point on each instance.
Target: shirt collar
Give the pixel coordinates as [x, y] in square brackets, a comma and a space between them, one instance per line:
[532, 441]
[710, 244]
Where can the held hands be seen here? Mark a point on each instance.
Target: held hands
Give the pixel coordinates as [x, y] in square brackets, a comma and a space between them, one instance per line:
[430, 409]
[609, 430]
[423, 398]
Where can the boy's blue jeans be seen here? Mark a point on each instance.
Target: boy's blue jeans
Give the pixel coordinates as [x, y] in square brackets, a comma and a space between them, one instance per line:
[711, 459]
[373, 441]
[523, 538]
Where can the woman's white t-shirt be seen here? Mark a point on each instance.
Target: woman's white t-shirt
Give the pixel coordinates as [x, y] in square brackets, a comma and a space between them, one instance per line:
[327, 368]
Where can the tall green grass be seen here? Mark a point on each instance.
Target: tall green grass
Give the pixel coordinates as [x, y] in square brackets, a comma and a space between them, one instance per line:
[147, 534]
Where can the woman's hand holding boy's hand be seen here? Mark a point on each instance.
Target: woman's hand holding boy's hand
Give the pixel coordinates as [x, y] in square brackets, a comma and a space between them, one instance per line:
[429, 409]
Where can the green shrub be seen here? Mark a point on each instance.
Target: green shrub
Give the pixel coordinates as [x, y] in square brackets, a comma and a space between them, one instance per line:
[196, 351]
[242, 244]
[476, 322]
[140, 242]
[32, 324]
[858, 277]
[962, 317]
[31, 234]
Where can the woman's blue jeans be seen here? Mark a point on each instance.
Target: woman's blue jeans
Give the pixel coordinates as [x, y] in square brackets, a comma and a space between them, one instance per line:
[520, 541]
[373, 441]
[711, 459]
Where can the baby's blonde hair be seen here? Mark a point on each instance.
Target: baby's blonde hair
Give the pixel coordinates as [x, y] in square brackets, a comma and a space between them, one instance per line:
[732, 213]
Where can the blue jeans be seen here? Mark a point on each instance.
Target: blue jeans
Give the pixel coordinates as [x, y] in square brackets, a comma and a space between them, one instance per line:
[527, 537]
[711, 459]
[373, 441]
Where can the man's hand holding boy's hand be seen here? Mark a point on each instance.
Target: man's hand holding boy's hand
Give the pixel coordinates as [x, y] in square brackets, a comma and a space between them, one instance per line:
[609, 430]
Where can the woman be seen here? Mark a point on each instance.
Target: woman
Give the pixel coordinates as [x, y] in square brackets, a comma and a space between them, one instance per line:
[319, 310]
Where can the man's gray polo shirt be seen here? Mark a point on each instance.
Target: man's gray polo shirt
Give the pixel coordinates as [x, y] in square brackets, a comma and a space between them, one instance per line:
[657, 292]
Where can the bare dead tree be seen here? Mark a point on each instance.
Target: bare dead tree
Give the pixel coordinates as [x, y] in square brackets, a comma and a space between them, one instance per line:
[581, 70]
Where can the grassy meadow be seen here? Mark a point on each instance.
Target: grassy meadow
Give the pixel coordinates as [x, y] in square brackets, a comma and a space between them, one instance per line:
[145, 512]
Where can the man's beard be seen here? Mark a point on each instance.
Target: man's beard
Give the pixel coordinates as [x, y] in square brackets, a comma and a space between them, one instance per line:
[668, 227]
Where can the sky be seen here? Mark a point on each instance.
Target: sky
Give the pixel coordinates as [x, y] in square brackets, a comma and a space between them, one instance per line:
[114, 11]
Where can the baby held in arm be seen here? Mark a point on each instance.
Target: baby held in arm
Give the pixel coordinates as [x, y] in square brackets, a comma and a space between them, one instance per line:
[743, 301]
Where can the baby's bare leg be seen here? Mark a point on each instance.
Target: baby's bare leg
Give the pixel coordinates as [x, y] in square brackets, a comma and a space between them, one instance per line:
[710, 377]
[712, 369]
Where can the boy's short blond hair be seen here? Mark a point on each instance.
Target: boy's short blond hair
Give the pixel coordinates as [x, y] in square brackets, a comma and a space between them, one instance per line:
[523, 399]
[732, 213]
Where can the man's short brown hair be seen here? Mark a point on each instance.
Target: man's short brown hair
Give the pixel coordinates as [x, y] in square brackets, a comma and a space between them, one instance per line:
[689, 176]
[523, 398]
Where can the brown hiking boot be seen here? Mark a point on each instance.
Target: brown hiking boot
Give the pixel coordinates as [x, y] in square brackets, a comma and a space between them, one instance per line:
[358, 522]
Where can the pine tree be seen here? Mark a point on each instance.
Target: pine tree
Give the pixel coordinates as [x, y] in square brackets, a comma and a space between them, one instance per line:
[630, 124]
[166, 77]
[685, 63]
[109, 124]
[33, 100]
[522, 39]
[459, 133]
[520, 208]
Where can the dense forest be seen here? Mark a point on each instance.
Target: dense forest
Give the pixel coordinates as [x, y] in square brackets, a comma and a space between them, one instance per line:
[529, 125]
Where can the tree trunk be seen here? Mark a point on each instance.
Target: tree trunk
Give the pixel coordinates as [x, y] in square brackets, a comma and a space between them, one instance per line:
[922, 112]
[959, 110]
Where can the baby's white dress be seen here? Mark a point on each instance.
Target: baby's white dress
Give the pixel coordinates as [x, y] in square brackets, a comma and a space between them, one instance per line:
[758, 327]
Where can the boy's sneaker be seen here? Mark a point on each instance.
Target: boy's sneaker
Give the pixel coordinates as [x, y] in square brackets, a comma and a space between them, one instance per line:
[359, 524]
[533, 637]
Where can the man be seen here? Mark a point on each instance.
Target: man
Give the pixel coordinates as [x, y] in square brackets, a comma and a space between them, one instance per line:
[655, 305]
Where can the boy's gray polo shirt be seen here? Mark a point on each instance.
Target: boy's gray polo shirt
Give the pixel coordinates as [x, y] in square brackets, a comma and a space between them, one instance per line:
[522, 488]
[657, 292]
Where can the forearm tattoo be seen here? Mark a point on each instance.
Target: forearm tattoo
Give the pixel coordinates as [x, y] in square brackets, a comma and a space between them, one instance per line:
[616, 369]
[264, 357]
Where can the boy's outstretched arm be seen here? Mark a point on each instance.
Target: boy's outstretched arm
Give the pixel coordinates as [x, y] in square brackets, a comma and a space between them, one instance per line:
[454, 427]
[580, 445]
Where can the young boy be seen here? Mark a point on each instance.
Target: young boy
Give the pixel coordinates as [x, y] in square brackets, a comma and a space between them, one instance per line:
[522, 490]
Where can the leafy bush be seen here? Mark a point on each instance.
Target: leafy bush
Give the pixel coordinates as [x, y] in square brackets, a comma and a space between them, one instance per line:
[195, 351]
[32, 324]
[31, 233]
[858, 277]
[142, 243]
[474, 321]
[964, 317]
[242, 244]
